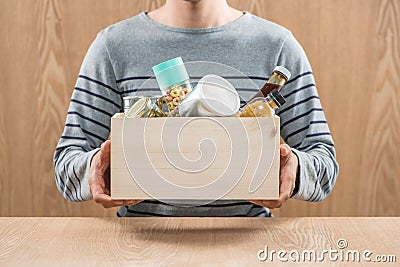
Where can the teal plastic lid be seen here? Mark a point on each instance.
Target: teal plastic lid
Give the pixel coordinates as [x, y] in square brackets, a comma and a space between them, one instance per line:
[170, 72]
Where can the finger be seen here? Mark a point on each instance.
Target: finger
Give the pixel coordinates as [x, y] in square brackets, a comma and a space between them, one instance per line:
[105, 147]
[103, 157]
[105, 150]
[285, 152]
[271, 204]
[282, 141]
[257, 202]
[106, 201]
[132, 202]
[97, 187]
[286, 185]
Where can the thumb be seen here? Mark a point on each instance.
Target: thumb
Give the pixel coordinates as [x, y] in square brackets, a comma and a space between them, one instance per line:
[105, 152]
[106, 147]
[285, 154]
[285, 150]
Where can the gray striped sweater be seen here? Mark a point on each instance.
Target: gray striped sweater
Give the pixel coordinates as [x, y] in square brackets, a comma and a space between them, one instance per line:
[120, 60]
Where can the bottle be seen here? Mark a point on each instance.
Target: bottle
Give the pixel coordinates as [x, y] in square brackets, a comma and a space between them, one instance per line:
[173, 81]
[279, 77]
[263, 107]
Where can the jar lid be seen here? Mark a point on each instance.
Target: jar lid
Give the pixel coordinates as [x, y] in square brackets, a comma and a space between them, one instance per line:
[170, 72]
[132, 97]
[138, 108]
[130, 100]
[218, 97]
[284, 71]
[277, 98]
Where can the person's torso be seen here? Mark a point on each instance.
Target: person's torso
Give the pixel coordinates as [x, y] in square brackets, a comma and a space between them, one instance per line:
[244, 52]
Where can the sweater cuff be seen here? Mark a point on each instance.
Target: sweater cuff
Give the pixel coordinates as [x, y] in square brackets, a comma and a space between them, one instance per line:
[85, 190]
[298, 192]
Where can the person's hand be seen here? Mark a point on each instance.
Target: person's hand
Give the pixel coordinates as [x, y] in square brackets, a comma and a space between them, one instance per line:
[287, 178]
[99, 179]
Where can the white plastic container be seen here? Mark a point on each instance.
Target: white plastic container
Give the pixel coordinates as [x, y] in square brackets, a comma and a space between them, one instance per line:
[213, 97]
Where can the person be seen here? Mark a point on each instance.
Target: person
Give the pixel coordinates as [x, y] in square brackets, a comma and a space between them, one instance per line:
[121, 58]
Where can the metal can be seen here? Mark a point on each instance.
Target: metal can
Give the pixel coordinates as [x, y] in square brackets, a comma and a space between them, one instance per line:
[146, 107]
[129, 101]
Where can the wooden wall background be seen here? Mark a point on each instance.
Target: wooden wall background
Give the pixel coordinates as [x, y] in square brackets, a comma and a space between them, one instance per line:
[353, 45]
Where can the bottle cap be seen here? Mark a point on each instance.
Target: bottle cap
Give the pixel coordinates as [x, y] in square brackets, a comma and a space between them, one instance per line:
[277, 98]
[284, 71]
[170, 72]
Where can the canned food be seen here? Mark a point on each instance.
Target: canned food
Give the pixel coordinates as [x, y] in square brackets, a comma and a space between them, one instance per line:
[129, 101]
[146, 107]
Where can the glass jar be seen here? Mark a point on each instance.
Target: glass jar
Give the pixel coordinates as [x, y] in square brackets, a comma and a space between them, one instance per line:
[129, 101]
[146, 107]
[173, 81]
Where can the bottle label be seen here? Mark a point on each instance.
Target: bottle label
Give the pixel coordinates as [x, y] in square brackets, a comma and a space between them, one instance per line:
[268, 87]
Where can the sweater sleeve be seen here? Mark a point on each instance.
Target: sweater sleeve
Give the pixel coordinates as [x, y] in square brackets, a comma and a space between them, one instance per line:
[94, 101]
[304, 127]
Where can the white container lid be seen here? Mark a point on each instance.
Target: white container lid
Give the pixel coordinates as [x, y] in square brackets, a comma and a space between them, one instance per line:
[218, 97]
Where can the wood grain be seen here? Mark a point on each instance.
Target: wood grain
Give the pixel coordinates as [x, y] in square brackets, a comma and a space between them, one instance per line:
[228, 168]
[382, 138]
[51, 92]
[353, 46]
[4, 148]
[185, 241]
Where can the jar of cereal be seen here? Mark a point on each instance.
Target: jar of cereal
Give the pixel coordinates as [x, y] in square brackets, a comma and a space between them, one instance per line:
[173, 80]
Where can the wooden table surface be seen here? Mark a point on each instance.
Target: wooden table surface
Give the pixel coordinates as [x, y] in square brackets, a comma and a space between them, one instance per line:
[187, 241]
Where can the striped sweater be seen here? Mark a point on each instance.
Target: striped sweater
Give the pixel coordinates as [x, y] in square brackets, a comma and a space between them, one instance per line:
[119, 61]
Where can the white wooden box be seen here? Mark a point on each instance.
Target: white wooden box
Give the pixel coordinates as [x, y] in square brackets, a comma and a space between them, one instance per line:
[195, 158]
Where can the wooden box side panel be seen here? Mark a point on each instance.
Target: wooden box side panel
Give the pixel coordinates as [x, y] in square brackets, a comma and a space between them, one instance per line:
[123, 185]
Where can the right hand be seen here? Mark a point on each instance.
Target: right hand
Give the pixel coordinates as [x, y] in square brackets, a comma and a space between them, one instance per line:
[99, 179]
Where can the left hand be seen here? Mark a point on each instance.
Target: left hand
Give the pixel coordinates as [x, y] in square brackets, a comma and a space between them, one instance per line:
[287, 178]
[99, 179]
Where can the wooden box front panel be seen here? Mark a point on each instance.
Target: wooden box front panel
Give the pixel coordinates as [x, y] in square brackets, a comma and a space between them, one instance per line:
[195, 158]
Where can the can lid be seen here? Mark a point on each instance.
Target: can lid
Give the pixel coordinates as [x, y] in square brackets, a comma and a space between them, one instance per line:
[129, 100]
[277, 98]
[132, 97]
[170, 72]
[284, 71]
[138, 108]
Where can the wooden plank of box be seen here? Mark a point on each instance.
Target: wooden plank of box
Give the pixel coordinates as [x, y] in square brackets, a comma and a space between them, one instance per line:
[195, 158]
